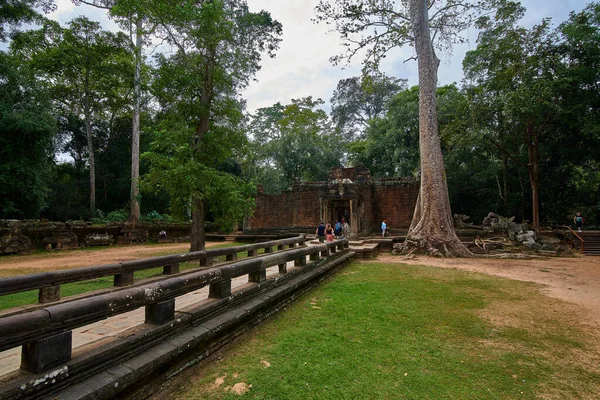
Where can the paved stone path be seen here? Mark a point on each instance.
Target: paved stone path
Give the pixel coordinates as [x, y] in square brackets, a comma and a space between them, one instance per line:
[10, 360]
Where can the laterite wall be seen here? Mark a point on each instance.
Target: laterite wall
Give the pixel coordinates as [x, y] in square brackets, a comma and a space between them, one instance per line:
[394, 200]
[286, 210]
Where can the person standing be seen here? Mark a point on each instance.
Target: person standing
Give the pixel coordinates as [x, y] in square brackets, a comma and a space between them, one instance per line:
[329, 233]
[338, 230]
[383, 228]
[578, 219]
[345, 229]
[320, 232]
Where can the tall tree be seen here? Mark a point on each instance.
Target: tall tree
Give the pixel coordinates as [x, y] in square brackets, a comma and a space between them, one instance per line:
[292, 143]
[357, 101]
[136, 17]
[381, 25]
[523, 70]
[27, 129]
[84, 67]
[218, 49]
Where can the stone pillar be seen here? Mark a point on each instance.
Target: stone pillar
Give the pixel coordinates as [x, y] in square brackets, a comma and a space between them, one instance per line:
[353, 220]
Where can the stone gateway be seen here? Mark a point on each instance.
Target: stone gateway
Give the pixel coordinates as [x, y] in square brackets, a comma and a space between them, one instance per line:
[349, 193]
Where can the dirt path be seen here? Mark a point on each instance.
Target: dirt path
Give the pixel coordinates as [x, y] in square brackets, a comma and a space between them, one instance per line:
[576, 280]
[82, 258]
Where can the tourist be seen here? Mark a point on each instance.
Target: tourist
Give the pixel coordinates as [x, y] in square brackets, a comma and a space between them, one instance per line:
[345, 229]
[578, 219]
[329, 232]
[320, 232]
[383, 228]
[479, 242]
[338, 230]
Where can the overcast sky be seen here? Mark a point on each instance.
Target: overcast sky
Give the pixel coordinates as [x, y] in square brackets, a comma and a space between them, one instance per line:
[302, 68]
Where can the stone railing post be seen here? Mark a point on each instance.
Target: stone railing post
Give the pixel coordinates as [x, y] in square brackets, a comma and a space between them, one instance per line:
[49, 294]
[46, 353]
[300, 262]
[124, 278]
[160, 312]
[171, 269]
[220, 290]
[258, 276]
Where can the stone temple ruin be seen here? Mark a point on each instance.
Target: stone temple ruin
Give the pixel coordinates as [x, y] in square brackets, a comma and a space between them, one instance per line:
[349, 193]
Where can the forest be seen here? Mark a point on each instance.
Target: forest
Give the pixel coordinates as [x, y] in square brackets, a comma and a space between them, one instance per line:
[92, 127]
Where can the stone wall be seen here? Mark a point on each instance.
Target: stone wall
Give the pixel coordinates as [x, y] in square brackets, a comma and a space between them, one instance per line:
[394, 200]
[290, 209]
[299, 209]
[22, 236]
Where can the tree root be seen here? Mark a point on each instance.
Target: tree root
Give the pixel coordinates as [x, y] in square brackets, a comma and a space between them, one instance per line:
[426, 247]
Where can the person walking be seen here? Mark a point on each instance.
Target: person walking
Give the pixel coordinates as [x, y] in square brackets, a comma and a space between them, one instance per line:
[320, 232]
[578, 219]
[383, 228]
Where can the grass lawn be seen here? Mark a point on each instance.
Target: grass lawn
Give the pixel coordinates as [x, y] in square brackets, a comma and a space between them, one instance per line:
[378, 331]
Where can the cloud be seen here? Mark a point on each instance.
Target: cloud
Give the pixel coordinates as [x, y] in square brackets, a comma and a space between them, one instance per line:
[302, 68]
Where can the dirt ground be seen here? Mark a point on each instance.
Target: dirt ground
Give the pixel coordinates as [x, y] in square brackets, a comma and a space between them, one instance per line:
[576, 280]
[83, 258]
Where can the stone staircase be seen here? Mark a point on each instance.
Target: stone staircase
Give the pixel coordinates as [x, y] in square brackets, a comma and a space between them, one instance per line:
[591, 242]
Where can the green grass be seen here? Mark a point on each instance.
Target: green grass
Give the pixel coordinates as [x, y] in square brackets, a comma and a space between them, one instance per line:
[380, 331]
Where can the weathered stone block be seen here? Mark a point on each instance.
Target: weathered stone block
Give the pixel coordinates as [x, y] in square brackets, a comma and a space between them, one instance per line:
[161, 312]
[258, 276]
[46, 353]
[220, 289]
[171, 269]
[124, 279]
[49, 294]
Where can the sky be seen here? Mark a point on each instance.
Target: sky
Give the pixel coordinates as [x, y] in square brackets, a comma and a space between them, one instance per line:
[301, 67]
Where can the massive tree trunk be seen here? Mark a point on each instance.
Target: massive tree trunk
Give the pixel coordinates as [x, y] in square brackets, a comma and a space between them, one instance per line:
[134, 214]
[432, 230]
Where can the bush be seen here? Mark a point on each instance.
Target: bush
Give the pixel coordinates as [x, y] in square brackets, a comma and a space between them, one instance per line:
[154, 216]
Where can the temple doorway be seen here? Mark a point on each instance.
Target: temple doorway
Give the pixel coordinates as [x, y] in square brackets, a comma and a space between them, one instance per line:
[338, 209]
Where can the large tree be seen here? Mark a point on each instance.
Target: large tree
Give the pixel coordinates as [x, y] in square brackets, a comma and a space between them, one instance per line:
[290, 143]
[519, 75]
[357, 101]
[218, 49]
[27, 130]
[376, 27]
[83, 67]
[136, 17]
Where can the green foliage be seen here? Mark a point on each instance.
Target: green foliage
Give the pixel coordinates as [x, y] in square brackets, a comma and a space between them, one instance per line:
[295, 142]
[13, 13]
[219, 48]
[528, 87]
[357, 101]
[27, 130]
[152, 216]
